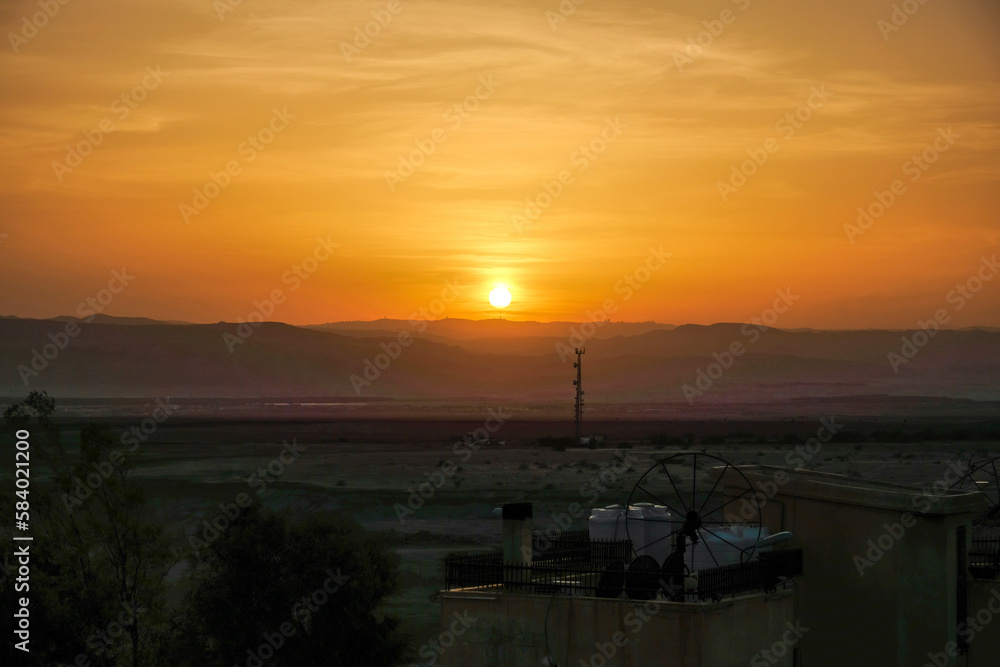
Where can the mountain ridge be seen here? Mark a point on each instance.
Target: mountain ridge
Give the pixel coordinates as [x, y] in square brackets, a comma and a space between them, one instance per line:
[274, 359]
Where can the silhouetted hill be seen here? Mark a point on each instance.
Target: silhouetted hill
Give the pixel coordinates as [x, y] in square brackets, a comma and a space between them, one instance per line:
[110, 319]
[493, 335]
[623, 363]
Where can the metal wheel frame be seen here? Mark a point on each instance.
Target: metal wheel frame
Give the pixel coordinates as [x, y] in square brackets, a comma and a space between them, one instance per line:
[692, 518]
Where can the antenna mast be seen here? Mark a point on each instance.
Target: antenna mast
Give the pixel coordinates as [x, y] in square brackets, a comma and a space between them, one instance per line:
[579, 391]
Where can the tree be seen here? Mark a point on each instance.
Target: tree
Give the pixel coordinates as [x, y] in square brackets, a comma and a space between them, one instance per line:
[37, 410]
[39, 407]
[61, 583]
[97, 562]
[130, 545]
[304, 593]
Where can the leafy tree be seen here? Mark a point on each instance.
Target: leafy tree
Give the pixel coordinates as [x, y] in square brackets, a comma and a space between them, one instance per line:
[97, 563]
[321, 581]
[36, 414]
[57, 633]
[128, 543]
[39, 408]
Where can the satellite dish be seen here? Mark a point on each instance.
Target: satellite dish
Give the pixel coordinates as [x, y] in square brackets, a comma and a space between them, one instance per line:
[612, 581]
[700, 511]
[777, 538]
[642, 579]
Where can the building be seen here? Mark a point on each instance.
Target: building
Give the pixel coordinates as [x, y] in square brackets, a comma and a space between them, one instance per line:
[888, 578]
[873, 574]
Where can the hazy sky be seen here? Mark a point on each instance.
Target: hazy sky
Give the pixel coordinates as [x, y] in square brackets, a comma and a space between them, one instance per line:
[666, 110]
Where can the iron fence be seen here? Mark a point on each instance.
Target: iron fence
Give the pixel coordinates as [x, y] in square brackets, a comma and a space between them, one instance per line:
[572, 566]
[984, 557]
[764, 573]
[569, 545]
[571, 572]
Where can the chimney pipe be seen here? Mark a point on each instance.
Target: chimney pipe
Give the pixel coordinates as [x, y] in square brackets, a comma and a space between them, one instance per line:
[517, 544]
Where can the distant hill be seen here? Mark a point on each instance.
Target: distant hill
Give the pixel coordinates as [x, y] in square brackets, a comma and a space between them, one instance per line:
[104, 319]
[492, 328]
[492, 336]
[110, 319]
[494, 359]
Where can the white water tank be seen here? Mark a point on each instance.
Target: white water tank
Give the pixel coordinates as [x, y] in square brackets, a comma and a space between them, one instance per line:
[608, 523]
[657, 524]
[636, 529]
[648, 524]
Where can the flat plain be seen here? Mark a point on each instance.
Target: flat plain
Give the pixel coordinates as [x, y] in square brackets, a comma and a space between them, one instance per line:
[431, 488]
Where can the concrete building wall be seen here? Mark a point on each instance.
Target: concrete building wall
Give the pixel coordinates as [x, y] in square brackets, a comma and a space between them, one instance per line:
[881, 586]
[983, 627]
[510, 631]
[880, 583]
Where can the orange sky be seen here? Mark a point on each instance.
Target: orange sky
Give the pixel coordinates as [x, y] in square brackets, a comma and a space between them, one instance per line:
[673, 129]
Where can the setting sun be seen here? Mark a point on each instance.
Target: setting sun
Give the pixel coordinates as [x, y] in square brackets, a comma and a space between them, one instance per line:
[257, 236]
[445, 149]
[500, 297]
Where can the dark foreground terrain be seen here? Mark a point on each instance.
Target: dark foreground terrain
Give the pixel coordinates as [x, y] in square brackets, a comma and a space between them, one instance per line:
[432, 487]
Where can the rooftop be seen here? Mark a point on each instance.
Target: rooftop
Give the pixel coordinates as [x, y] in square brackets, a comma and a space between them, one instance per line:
[832, 487]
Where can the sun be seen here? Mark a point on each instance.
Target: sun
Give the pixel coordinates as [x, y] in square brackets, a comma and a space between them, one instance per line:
[500, 297]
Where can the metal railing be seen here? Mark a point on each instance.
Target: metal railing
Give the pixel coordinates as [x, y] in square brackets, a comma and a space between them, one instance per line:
[569, 545]
[576, 570]
[984, 557]
[763, 573]
[569, 566]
